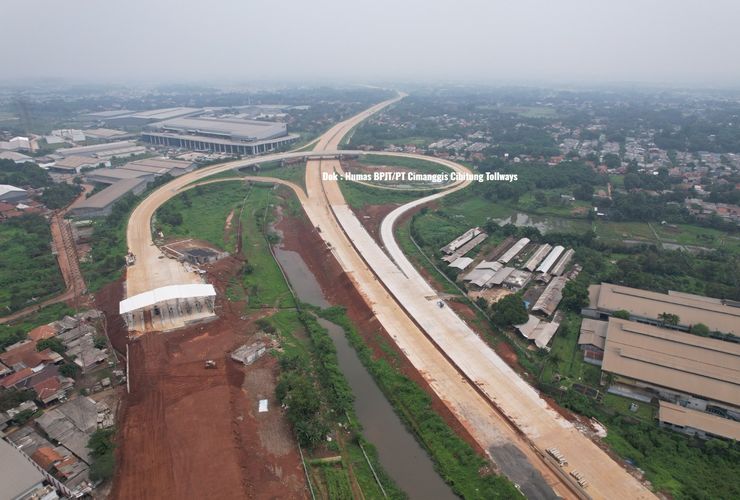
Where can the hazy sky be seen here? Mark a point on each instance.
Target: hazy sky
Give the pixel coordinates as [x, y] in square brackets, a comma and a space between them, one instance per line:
[682, 42]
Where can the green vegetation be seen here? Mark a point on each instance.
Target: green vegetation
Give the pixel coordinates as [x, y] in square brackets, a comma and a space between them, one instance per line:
[102, 452]
[295, 173]
[406, 163]
[509, 311]
[10, 398]
[105, 262]
[108, 245]
[52, 343]
[24, 175]
[359, 196]
[29, 272]
[682, 466]
[201, 213]
[264, 284]
[456, 461]
[12, 333]
[60, 195]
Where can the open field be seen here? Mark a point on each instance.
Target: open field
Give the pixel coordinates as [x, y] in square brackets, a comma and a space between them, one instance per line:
[30, 272]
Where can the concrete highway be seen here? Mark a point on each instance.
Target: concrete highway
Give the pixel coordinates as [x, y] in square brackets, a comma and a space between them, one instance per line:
[502, 412]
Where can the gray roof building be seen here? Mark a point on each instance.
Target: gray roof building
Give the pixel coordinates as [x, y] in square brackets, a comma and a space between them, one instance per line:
[100, 204]
[18, 476]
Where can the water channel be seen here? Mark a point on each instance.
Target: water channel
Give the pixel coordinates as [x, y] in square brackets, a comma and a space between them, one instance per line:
[399, 453]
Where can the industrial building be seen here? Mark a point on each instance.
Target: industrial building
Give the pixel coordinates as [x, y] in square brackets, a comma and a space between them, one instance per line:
[551, 297]
[222, 135]
[119, 149]
[74, 164]
[113, 175]
[16, 157]
[592, 339]
[514, 250]
[133, 177]
[19, 477]
[100, 204]
[537, 257]
[559, 268]
[160, 166]
[10, 193]
[541, 332]
[550, 259]
[128, 118]
[647, 307]
[697, 373]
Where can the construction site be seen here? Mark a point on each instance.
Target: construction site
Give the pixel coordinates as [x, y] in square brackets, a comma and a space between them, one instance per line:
[433, 339]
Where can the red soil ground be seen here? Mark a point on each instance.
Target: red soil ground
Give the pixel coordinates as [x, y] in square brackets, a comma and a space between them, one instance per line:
[190, 432]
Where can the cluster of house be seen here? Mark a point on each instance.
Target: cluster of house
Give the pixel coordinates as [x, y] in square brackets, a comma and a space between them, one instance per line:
[510, 267]
[24, 366]
[48, 456]
[701, 208]
[649, 349]
[51, 457]
[15, 201]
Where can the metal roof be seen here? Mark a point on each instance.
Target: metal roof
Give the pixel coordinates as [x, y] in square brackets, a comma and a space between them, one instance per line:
[109, 195]
[593, 332]
[643, 303]
[537, 257]
[514, 250]
[226, 128]
[171, 292]
[680, 361]
[712, 424]
[17, 475]
[7, 188]
[550, 259]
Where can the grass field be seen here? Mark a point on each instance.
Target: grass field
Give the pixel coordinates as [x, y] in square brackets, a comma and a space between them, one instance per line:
[359, 196]
[29, 272]
[204, 210]
[399, 161]
[295, 173]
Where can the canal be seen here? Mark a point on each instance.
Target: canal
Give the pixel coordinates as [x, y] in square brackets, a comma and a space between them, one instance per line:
[399, 453]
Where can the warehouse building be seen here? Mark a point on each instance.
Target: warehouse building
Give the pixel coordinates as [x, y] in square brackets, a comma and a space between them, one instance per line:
[100, 204]
[128, 118]
[592, 339]
[551, 297]
[74, 164]
[647, 307]
[537, 257]
[696, 373]
[222, 135]
[119, 149]
[113, 175]
[161, 166]
[19, 477]
[550, 259]
[514, 250]
[10, 193]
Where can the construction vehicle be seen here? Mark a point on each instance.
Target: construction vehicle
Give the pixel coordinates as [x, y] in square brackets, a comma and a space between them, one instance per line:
[210, 364]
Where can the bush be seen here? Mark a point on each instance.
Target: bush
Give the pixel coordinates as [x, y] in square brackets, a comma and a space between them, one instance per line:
[101, 450]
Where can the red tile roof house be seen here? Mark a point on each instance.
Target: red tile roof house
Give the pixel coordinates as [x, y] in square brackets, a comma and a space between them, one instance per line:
[42, 332]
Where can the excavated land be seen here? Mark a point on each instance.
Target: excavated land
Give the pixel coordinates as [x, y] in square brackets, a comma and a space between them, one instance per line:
[299, 236]
[185, 431]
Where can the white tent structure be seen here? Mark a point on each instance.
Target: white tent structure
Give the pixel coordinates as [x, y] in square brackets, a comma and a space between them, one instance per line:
[173, 304]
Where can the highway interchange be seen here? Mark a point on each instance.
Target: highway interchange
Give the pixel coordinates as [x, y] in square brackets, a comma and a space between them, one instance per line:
[503, 413]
